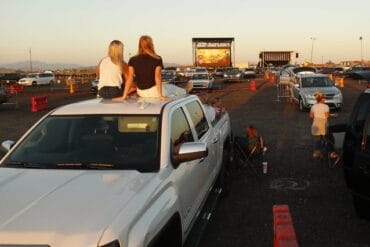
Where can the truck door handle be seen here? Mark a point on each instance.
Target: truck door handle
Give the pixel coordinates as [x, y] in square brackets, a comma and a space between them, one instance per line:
[215, 140]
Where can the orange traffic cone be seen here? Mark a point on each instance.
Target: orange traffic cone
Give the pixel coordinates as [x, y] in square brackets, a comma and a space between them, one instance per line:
[71, 89]
[253, 86]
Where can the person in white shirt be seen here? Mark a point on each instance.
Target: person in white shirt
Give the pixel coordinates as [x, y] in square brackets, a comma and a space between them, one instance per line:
[320, 113]
[112, 70]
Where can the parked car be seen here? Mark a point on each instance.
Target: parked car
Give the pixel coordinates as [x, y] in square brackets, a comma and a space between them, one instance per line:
[94, 86]
[332, 70]
[356, 153]
[233, 74]
[201, 81]
[249, 73]
[200, 70]
[306, 85]
[289, 74]
[219, 72]
[169, 76]
[10, 78]
[37, 79]
[356, 72]
[189, 72]
[113, 174]
[3, 95]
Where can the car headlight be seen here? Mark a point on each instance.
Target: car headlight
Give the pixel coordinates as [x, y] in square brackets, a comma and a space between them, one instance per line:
[115, 243]
[338, 95]
[237, 75]
[311, 97]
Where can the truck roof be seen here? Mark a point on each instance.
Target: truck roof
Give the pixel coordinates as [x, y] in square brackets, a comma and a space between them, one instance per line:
[133, 105]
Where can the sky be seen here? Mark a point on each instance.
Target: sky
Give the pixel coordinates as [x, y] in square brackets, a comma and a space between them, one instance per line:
[79, 31]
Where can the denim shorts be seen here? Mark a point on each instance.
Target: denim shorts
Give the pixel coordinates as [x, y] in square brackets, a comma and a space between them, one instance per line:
[107, 92]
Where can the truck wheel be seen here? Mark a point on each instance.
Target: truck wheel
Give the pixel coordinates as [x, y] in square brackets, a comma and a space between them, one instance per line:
[362, 207]
[34, 83]
[223, 177]
[301, 106]
[170, 235]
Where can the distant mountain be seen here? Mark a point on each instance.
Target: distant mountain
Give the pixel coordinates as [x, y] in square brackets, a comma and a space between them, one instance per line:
[37, 65]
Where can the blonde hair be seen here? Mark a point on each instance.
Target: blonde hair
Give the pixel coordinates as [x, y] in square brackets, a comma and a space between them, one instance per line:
[115, 52]
[146, 46]
[319, 96]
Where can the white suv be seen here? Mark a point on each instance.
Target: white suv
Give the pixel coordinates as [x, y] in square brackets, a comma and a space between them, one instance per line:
[34, 79]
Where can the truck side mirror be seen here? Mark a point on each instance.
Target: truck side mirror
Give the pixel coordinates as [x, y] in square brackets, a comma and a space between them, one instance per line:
[190, 151]
[7, 145]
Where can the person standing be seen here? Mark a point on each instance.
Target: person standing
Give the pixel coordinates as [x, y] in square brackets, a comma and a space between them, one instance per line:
[320, 115]
[110, 71]
[146, 66]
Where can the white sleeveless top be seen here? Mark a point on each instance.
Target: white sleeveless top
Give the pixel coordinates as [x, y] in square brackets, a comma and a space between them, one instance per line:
[110, 74]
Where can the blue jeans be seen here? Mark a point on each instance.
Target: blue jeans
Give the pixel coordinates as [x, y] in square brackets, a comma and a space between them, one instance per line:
[319, 143]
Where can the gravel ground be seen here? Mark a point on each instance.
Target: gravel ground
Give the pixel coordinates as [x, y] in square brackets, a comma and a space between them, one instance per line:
[320, 204]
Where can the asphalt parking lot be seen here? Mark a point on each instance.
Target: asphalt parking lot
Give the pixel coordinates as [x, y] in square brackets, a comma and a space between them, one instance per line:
[320, 204]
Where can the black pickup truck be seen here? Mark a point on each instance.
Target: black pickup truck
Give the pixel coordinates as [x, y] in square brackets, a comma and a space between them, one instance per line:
[356, 154]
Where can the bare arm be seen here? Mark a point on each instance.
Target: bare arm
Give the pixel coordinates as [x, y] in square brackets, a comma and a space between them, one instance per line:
[129, 79]
[158, 82]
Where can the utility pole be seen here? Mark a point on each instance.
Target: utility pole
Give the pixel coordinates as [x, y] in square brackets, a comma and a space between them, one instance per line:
[362, 58]
[313, 40]
[30, 60]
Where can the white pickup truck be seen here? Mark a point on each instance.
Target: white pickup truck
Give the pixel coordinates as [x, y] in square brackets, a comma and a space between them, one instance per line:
[111, 174]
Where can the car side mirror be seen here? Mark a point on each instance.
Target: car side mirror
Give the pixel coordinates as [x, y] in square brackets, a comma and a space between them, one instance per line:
[7, 145]
[190, 151]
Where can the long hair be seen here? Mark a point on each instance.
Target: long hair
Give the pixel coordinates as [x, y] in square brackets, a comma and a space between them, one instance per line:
[115, 52]
[146, 46]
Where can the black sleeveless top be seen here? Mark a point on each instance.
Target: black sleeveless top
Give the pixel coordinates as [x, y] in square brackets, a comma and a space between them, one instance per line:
[144, 66]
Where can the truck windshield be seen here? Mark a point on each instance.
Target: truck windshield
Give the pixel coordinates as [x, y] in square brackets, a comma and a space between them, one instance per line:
[317, 82]
[91, 142]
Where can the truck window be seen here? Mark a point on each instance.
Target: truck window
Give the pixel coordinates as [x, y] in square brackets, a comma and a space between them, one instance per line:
[180, 130]
[198, 118]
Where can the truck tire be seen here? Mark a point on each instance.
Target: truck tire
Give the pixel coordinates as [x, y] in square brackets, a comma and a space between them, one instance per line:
[170, 235]
[301, 105]
[362, 207]
[224, 175]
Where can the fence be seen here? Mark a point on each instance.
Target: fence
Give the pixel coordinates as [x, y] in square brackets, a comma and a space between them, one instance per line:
[283, 90]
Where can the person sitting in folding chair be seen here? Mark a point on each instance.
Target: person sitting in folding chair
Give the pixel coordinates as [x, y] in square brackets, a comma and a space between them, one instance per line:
[250, 148]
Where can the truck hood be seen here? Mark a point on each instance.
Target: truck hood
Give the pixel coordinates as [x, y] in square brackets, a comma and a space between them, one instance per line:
[324, 90]
[63, 207]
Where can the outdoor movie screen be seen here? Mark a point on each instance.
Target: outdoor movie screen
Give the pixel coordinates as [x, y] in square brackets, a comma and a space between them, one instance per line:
[213, 57]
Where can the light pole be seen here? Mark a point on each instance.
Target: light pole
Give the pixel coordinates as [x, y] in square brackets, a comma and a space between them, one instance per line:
[30, 60]
[362, 58]
[313, 40]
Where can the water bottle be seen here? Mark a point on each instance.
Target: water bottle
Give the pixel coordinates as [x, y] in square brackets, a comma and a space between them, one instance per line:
[264, 167]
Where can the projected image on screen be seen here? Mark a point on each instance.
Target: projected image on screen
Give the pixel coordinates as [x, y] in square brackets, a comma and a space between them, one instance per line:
[215, 57]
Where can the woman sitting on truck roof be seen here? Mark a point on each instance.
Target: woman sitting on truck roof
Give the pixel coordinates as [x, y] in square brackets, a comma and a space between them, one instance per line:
[147, 66]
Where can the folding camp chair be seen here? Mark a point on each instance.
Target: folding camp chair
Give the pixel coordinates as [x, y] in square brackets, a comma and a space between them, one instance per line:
[251, 159]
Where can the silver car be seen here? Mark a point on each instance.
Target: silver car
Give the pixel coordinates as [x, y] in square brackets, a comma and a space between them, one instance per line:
[201, 81]
[307, 85]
